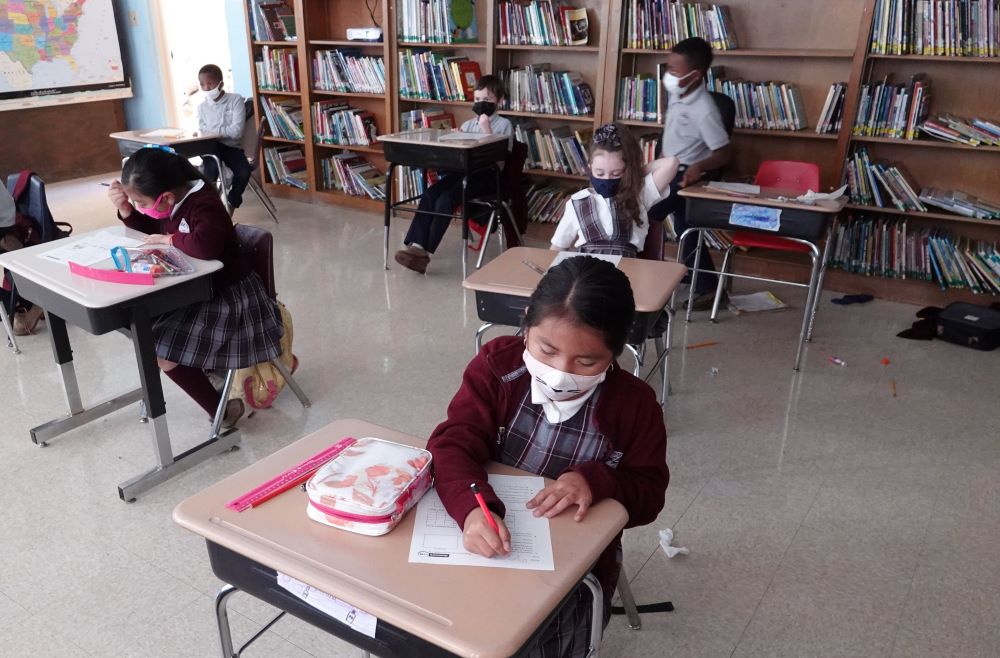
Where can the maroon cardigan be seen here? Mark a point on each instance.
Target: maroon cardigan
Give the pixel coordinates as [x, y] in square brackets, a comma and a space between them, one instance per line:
[211, 236]
[627, 414]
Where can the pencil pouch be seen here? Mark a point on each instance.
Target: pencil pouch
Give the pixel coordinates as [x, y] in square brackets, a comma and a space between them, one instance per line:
[369, 487]
[158, 261]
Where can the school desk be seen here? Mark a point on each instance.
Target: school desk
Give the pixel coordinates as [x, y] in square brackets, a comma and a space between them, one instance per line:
[504, 285]
[100, 307]
[189, 143]
[422, 609]
[426, 149]
[805, 224]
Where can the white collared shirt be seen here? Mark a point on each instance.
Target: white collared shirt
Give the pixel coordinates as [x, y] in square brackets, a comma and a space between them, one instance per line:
[693, 128]
[568, 233]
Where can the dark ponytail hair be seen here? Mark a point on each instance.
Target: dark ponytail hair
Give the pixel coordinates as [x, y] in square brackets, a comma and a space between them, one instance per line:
[153, 171]
[588, 291]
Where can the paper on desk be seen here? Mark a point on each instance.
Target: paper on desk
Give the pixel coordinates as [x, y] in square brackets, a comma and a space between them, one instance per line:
[563, 255]
[359, 620]
[438, 540]
[811, 197]
[164, 132]
[462, 136]
[89, 250]
[738, 188]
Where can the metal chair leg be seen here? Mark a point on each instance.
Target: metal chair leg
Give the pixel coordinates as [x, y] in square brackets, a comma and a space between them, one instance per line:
[292, 384]
[265, 199]
[222, 619]
[494, 215]
[9, 328]
[819, 285]
[694, 273]
[807, 311]
[220, 411]
[596, 614]
[637, 353]
[722, 282]
[628, 602]
[479, 335]
[661, 356]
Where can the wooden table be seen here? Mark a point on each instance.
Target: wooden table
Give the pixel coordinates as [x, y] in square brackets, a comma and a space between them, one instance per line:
[422, 609]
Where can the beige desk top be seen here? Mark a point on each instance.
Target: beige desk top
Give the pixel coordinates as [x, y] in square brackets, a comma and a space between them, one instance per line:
[470, 611]
[432, 137]
[767, 197]
[652, 281]
[182, 136]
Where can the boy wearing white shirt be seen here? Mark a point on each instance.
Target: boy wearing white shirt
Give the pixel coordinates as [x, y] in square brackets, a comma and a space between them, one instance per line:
[224, 113]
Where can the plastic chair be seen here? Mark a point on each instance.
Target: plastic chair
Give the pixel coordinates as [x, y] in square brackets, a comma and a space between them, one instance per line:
[509, 214]
[797, 177]
[257, 247]
[251, 146]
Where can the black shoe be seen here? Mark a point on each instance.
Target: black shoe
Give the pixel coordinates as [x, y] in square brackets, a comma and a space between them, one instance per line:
[704, 301]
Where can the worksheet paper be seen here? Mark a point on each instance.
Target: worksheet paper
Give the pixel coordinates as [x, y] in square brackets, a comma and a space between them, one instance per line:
[438, 540]
[169, 133]
[564, 255]
[357, 619]
[89, 250]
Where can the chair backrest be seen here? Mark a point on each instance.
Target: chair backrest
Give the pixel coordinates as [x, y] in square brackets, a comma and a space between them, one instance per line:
[257, 249]
[788, 174]
[34, 204]
[514, 184]
[652, 249]
[252, 135]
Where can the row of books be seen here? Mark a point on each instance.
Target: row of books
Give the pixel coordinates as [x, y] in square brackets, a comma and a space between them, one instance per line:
[352, 174]
[286, 165]
[894, 111]
[411, 181]
[437, 21]
[277, 69]
[347, 70]
[271, 21]
[556, 149]
[891, 248]
[536, 88]
[971, 132]
[661, 24]
[640, 97]
[542, 24]
[427, 117]
[952, 28]
[960, 203]
[438, 76]
[832, 114]
[284, 117]
[765, 105]
[647, 145]
[880, 184]
[336, 122]
[546, 203]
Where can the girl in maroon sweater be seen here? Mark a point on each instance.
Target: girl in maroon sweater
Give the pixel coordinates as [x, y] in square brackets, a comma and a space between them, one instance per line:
[556, 403]
[240, 326]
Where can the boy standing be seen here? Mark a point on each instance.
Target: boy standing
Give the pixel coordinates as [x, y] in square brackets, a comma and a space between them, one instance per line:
[695, 135]
[439, 200]
[224, 113]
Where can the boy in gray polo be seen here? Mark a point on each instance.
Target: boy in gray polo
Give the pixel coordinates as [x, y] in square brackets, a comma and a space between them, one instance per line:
[695, 134]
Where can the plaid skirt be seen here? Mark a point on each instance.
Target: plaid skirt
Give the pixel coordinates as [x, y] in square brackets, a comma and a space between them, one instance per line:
[239, 327]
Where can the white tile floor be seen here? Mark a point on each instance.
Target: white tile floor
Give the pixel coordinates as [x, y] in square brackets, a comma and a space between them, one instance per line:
[824, 516]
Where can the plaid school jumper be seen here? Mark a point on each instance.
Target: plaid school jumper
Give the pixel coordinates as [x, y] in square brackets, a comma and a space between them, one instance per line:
[596, 240]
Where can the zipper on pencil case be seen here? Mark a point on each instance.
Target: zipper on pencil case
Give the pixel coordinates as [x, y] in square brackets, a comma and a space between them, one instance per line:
[348, 516]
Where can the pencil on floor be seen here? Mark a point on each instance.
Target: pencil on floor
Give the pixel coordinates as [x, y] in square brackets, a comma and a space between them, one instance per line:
[708, 343]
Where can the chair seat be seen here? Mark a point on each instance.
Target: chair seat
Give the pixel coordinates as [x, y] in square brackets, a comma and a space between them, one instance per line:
[756, 240]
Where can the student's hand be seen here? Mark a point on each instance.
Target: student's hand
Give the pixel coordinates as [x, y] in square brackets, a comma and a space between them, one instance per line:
[118, 198]
[158, 238]
[484, 123]
[692, 175]
[479, 538]
[570, 489]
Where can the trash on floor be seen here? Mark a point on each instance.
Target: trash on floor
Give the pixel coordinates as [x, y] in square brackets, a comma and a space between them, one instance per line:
[666, 539]
[707, 343]
[837, 361]
[885, 361]
[754, 302]
[852, 299]
[713, 371]
[892, 386]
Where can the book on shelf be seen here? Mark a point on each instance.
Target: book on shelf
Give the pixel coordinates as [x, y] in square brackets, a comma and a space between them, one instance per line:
[541, 23]
[641, 98]
[412, 181]
[286, 165]
[893, 111]
[661, 24]
[832, 114]
[284, 117]
[546, 203]
[765, 105]
[271, 21]
[971, 132]
[647, 144]
[560, 149]
[427, 117]
[336, 122]
[437, 21]
[352, 174]
[948, 28]
[536, 88]
[277, 69]
[881, 184]
[348, 70]
[960, 203]
[428, 75]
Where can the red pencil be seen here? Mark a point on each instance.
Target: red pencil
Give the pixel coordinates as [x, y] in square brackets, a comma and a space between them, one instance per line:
[486, 510]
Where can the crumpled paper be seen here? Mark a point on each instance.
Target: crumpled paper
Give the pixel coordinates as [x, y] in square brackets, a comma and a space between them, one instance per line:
[666, 539]
[811, 197]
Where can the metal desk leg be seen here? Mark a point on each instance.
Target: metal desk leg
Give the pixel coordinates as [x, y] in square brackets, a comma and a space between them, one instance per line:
[596, 616]
[465, 228]
[479, 335]
[388, 214]
[808, 310]
[225, 632]
[9, 328]
[819, 285]
[637, 353]
[694, 273]
[628, 602]
[78, 415]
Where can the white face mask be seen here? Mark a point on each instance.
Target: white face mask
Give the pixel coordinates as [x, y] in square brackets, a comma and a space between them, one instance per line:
[561, 394]
[673, 85]
[213, 94]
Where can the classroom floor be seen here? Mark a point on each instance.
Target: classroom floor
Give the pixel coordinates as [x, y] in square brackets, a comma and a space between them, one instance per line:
[824, 516]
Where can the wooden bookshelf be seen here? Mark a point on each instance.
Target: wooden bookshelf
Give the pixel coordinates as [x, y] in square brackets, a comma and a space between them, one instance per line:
[807, 53]
[939, 58]
[442, 46]
[925, 143]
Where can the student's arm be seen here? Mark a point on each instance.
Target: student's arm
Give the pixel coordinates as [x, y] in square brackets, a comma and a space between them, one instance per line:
[209, 226]
[127, 213]
[719, 158]
[484, 124]
[567, 230]
[663, 171]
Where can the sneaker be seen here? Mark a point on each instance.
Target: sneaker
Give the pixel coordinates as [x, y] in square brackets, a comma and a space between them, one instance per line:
[704, 301]
[26, 321]
[234, 411]
[413, 261]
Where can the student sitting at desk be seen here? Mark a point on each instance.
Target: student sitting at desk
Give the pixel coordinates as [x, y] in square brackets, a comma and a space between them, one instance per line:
[555, 403]
[438, 202]
[695, 135]
[224, 113]
[240, 325]
[609, 217]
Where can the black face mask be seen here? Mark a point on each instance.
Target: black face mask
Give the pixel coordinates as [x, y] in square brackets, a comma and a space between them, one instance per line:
[484, 107]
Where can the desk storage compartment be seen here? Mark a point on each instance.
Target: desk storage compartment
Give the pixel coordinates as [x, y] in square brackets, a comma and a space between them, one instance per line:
[446, 158]
[802, 224]
[499, 308]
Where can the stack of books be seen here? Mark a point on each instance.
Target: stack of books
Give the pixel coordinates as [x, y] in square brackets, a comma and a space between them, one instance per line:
[546, 203]
[347, 70]
[542, 24]
[640, 97]
[951, 28]
[536, 88]
[352, 174]
[881, 184]
[893, 111]
[336, 122]
[437, 21]
[277, 69]
[271, 20]
[891, 248]
[960, 203]
[557, 149]
[661, 24]
[284, 117]
[436, 76]
[971, 132]
[833, 109]
[765, 105]
[286, 165]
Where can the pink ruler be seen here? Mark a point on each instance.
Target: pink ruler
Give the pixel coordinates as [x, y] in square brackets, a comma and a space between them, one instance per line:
[112, 276]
